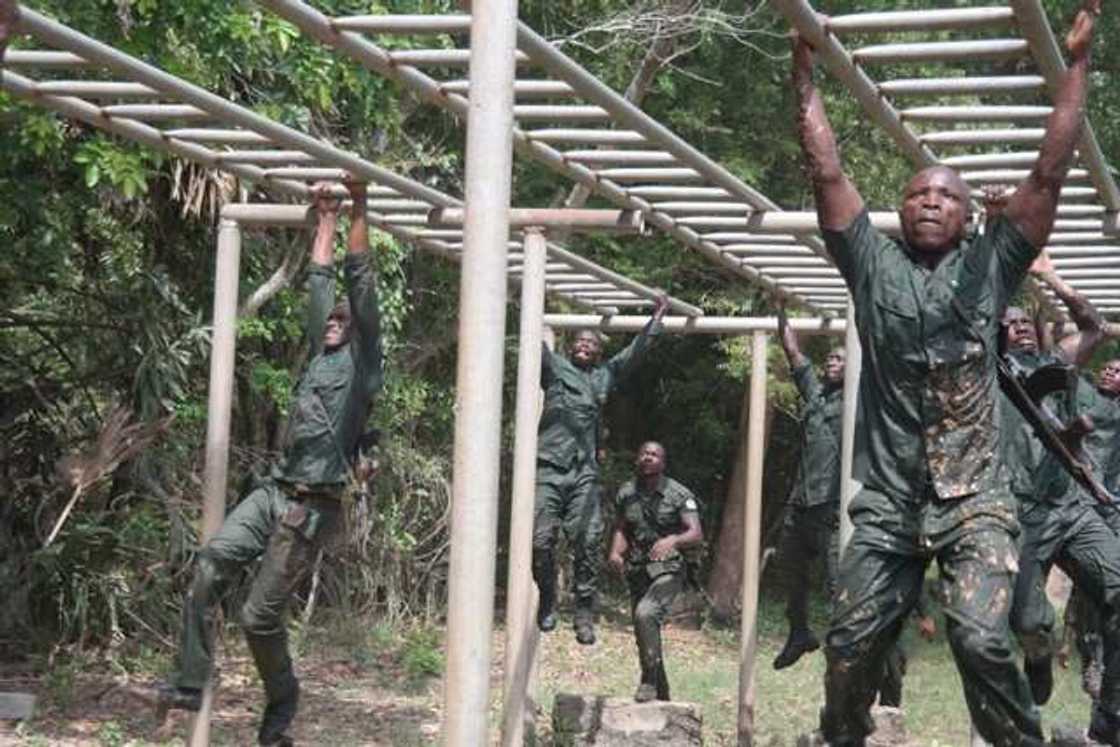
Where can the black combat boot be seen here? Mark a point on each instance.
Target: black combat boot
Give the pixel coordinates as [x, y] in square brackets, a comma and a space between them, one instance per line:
[1040, 675]
[544, 573]
[281, 688]
[585, 621]
[1104, 727]
[283, 701]
[170, 698]
[800, 642]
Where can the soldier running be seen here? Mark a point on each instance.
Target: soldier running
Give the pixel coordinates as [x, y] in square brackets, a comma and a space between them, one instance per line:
[927, 308]
[575, 390]
[655, 518]
[290, 516]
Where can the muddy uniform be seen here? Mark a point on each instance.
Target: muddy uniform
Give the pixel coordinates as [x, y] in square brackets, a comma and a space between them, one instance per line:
[645, 518]
[567, 468]
[1061, 525]
[927, 453]
[288, 516]
[811, 526]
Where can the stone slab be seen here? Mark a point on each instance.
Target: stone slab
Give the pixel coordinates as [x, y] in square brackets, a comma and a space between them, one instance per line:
[16, 706]
[620, 722]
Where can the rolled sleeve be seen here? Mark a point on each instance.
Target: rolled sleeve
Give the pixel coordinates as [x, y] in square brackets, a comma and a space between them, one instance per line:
[806, 381]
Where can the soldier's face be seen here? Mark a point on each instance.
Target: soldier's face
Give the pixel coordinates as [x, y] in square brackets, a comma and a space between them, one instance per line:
[651, 459]
[1109, 378]
[1021, 332]
[337, 331]
[585, 349]
[834, 366]
[934, 210]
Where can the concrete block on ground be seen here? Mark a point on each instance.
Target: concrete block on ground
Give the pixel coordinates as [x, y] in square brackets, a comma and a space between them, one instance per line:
[620, 722]
[16, 706]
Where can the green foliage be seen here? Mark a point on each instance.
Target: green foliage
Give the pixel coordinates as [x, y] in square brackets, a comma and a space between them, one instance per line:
[422, 654]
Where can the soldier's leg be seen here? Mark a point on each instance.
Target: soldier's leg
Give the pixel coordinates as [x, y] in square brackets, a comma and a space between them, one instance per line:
[797, 550]
[1083, 625]
[879, 580]
[302, 528]
[242, 538]
[649, 616]
[547, 512]
[1091, 556]
[894, 671]
[583, 524]
[977, 572]
[1032, 616]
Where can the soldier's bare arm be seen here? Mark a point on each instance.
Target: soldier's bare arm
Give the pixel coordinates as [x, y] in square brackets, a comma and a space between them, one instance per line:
[789, 341]
[660, 306]
[358, 242]
[1034, 204]
[690, 536]
[9, 17]
[619, 546]
[838, 201]
[1076, 348]
[326, 207]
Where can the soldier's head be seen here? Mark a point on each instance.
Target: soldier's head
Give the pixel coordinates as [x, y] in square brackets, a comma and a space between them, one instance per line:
[1019, 330]
[834, 365]
[337, 332]
[586, 347]
[1108, 380]
[935, 210]
[650, 461]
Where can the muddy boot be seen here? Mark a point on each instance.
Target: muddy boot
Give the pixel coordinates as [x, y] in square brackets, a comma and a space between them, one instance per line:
[279, 714]
[1104, 727]
[1040, 675]
[281, 688]
[172, 698]
[799, 643]
[585, 622]
[544, 573]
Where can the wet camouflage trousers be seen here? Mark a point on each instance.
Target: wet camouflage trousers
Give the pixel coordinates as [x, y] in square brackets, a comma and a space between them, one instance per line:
[1084, 624]
[808, 534]
[289, 533]
[651, 599]
[1077, 539]
[881, 573]
[569, 500]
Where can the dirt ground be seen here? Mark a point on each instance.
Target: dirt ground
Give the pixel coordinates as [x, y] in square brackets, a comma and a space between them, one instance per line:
[342, 703]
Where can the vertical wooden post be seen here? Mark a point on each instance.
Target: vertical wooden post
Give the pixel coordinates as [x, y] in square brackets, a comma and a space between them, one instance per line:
[752, 520]
[521, 596]
[223, 351]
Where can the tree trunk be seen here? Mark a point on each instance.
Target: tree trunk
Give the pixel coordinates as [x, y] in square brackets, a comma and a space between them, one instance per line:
[726, 579]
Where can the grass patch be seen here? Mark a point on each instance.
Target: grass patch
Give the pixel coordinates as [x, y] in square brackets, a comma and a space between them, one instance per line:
[703, 667]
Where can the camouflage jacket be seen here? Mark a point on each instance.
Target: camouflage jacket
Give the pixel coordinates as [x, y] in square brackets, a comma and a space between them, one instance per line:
[332, 396]
[928, 394]
[574, 397]
[1022, 451]
[647, 517]
[1102, 445]
[818, 468]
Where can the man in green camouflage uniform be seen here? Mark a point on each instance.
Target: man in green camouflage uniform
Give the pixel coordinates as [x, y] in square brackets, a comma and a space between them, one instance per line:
[567, 494]
[288, 517]
[927, 309]
[1056, 528]
[655, 518]
[1062, 525]
[1083, 618]
[810, 529]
